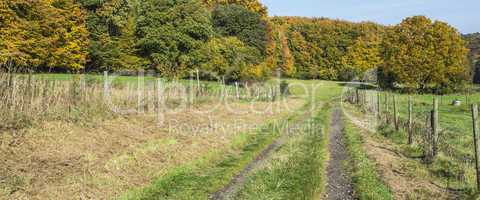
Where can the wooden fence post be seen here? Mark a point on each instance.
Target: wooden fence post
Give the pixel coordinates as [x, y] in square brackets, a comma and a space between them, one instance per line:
[357, 99]
[434, 121]
[386, 108]
[160, 102]
[140, 91]
[365, 101]
[237, 92]
[410, 120]
[198, 80]
[105, 84]
[428, 138]
[466, 99]
[475, 142]
[395, 114]
[159, 94]
[378, 106]
[224, 91]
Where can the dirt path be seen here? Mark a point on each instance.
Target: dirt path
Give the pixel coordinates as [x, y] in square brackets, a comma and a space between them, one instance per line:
[339, 183]
[405, 177]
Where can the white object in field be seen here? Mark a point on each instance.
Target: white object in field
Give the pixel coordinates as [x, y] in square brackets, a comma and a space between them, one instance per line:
[456, 103]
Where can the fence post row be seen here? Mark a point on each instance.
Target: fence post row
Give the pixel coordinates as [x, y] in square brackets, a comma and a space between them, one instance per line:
[475, 142]
[395, 115]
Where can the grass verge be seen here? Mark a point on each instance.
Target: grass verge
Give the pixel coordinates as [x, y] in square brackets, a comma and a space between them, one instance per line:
[366, 182]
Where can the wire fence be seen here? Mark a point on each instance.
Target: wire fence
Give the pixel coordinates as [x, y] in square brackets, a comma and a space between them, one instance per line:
[438, 130]
[26, 99]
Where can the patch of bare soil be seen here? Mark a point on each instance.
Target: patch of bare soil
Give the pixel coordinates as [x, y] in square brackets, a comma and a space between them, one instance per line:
[62, 160]
[407, 178]
[339, 183]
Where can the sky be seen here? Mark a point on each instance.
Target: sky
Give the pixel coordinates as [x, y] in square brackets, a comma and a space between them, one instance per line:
[462, 14]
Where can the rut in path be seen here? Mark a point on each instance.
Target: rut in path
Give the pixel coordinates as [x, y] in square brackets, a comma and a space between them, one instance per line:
[231, 190]
[339, 183]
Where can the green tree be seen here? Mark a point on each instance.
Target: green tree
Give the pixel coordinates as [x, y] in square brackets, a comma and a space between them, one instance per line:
[112, 26]
[169, 31]
[230, 58]
[235, 20]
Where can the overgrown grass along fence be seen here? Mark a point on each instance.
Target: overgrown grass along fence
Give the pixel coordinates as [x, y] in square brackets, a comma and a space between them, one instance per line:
[28, 99]
[436, 129]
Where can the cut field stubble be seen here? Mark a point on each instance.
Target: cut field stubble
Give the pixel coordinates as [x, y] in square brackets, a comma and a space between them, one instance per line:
[103, 153]
[63, 160]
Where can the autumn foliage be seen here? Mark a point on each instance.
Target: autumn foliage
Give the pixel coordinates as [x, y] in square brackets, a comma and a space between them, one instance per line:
[233, 39]
[328, 49]
[423, 55]
[43, 34]
[415, 55]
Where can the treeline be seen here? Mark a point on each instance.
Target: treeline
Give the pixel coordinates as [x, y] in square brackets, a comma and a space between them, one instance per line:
[234, 39]
[328, 49]
[473, 41]
[225, 38]
[416, 55]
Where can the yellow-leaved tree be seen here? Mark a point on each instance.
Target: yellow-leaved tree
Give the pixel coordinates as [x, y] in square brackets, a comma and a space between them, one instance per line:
[424, 55]
[50, 34]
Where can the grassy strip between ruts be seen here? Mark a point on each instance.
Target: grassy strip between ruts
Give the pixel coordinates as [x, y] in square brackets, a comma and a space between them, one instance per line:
[366, 182]
[211, 172]
[297, 169]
